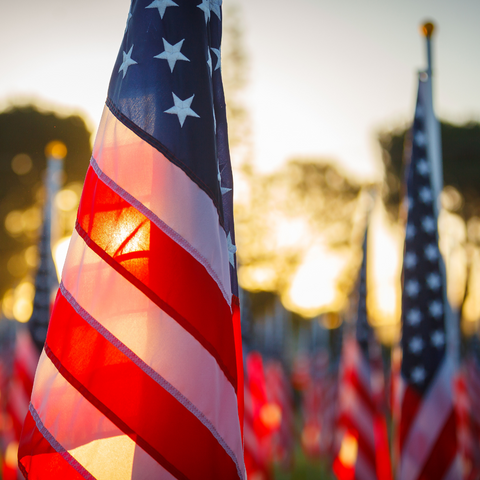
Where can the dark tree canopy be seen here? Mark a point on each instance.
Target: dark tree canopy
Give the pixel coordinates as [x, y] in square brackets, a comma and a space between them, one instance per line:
[26, 131]
[461, 164]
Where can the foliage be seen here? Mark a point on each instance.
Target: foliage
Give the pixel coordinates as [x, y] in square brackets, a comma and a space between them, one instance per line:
[305, 203]
[461, 164]
[27, 130]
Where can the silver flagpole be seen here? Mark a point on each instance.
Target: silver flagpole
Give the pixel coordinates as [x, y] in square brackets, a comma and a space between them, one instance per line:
[436, 174]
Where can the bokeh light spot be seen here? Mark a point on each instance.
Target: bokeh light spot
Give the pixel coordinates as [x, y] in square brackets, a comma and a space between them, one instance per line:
[21, 164]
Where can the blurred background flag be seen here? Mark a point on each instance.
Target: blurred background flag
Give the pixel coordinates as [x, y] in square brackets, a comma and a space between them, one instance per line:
[427, 439]
[142, 360]
[46, 282]
[363, 451]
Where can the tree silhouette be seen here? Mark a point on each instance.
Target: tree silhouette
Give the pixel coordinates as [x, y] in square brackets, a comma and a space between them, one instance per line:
[24, 133]
[461, 164]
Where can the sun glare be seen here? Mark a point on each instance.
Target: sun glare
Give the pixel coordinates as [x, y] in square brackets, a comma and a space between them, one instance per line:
[314, 287]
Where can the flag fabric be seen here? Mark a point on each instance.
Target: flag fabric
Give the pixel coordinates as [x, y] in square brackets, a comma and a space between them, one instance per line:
[280, 398]
[426, 435]
[258, 429]
[141, 374]
[468, 446]
[18, 360]
[467, 408]
[363, 452]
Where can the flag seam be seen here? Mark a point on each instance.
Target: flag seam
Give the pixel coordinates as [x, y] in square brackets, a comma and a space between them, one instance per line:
[164, 151]
[57, 447]
[115, 419]
[160, 224]
[149, 371]
[157, 300]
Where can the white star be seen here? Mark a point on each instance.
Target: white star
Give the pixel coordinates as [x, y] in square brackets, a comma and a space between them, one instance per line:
[224, 190]
[428, 224]
[436, 309]
[422, 167]
[216, 51]
[418, 374]
[416, 345]
[215, 7]
[172, 53]
[431, 252]
[414, 317]
[438, 339]
[209, 61]
[162, 5]
[205, 7]
[411, 230]
[412, 287]
[420, 139]
[127, 61]
[410, 260]
[434, 281]
[231, 250]
[182, 109]
[425, 195]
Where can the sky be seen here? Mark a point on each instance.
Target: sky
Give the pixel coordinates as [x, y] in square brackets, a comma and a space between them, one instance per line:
[325, 76]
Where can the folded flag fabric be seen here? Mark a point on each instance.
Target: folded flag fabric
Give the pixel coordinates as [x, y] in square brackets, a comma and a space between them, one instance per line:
[141, 373]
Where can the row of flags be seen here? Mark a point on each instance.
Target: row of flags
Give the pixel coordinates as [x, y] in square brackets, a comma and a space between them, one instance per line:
[141, 372]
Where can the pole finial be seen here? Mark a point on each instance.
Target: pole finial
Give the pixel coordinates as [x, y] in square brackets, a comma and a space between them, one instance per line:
[427, 29]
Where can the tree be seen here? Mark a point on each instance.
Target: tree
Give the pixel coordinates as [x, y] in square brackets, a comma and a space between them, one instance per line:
[461, 165]
[24, 133]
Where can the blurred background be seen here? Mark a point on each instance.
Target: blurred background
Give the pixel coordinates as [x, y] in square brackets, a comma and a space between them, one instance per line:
[320, 96]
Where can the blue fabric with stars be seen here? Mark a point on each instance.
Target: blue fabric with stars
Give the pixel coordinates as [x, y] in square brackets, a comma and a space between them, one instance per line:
[166, 86]
[423, 318]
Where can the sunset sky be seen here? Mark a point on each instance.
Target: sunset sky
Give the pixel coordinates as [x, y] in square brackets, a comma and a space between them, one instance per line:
[325, 75]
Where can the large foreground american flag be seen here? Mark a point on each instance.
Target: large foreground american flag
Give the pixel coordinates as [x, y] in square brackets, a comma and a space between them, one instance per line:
[141, 374]
[426, 434]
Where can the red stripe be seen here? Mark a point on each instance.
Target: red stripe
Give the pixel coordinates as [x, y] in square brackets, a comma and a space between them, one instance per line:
[443, 453]
[352, 377]
[39, 460]
[132, 400]
[239, 356]
[160, 268]
[411, 402]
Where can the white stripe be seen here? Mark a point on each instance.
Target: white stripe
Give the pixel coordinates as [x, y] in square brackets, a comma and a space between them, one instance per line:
[178, 206]
[454, 473]
[85, 433]
[175, 355]
[429, 421]
[360, 415]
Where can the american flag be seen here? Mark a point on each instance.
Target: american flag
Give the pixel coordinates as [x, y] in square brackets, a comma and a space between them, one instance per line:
[426, 434]
[258, 428]
[141, 374]
[363, 452]
[467, 407]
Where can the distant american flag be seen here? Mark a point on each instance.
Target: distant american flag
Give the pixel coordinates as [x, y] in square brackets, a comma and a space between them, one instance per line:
[363, 452]
[141, 374]
[427, 435]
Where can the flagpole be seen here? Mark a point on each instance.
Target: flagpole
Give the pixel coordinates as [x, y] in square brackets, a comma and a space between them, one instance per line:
[435, 160]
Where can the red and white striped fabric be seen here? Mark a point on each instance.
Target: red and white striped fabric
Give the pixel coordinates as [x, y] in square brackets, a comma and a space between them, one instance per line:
[279, 393]
[16, 388]
[257, 434]
[467, 409]
[361, 443]
[140, 376]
